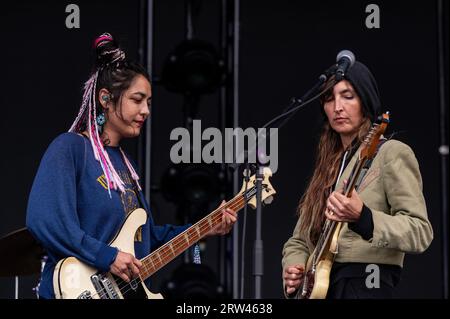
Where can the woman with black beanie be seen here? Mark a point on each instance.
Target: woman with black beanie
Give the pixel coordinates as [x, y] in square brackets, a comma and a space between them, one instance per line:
[384, 218]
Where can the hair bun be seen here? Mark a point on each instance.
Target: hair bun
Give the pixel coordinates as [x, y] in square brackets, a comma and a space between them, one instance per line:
[107, 50]
[102, 39]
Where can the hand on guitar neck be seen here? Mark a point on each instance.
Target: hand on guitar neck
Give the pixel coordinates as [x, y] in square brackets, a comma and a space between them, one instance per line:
[229, 217]
[341, 208]
[293, 278]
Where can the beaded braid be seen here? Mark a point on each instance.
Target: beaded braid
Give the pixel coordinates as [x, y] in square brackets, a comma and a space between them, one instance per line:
[87, 120]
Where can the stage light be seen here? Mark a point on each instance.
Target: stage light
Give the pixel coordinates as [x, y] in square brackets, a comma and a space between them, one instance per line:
[194, 188]
[193, 68]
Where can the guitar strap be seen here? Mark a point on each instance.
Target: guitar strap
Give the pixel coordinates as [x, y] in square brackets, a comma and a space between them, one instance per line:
[138, 235]
[367, 165]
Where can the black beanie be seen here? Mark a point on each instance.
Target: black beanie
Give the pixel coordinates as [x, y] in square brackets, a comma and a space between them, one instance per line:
[366, 87]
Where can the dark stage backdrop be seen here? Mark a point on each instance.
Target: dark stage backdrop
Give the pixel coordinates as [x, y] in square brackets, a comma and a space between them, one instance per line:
[284, 46]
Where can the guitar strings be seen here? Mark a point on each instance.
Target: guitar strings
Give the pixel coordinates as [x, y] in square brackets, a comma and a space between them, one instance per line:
[180, 239]
[234, 203]
[200, 225]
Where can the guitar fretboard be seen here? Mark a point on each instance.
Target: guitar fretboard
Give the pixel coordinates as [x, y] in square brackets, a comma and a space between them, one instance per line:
[166, 253]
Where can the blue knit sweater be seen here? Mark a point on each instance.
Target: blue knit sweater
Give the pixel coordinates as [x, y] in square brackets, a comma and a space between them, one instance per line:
[72, 214]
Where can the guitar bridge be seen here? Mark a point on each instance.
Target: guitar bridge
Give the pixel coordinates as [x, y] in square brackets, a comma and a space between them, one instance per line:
[104, 287]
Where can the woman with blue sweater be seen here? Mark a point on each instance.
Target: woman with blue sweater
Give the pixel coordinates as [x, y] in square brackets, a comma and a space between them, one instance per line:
[86, 184]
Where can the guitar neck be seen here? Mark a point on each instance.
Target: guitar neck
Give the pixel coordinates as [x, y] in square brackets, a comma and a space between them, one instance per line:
[354, 176]
[166, 253]
[331, 225]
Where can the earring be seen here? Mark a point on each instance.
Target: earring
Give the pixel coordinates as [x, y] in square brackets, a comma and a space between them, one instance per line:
[100, 122]
[105, 98]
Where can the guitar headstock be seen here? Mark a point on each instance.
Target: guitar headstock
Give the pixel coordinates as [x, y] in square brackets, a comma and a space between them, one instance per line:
[372, 139]
[267, 190]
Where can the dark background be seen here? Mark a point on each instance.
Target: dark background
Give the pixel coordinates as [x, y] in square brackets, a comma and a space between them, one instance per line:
[284, 46]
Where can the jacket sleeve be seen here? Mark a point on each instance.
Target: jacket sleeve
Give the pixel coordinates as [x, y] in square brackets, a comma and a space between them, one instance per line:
[52, 206]
[295, 252]
[406, 226]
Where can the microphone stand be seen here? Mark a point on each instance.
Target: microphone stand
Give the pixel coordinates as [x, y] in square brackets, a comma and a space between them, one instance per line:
[296, 104]
[258, 251]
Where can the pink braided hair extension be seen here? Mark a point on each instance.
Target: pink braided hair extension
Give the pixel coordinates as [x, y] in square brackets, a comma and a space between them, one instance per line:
[89, 106]
[131, 169]
[80, 119]
[113, 179]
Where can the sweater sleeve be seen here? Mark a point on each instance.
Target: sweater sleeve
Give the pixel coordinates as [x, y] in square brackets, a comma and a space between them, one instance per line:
[406, 227]
[52, 206]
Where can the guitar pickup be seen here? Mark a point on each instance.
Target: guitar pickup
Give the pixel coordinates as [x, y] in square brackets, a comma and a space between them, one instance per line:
[106, 282]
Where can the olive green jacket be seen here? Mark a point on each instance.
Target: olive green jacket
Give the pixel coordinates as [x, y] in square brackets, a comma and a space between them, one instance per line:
[392, 190]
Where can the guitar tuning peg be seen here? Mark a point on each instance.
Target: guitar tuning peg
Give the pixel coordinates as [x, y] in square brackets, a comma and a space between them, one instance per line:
[268, 200]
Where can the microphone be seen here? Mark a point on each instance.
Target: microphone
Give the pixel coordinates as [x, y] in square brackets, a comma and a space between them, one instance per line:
[345, 59]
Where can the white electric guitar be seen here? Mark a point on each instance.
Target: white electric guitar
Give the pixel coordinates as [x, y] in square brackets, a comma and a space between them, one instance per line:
[73, 279]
